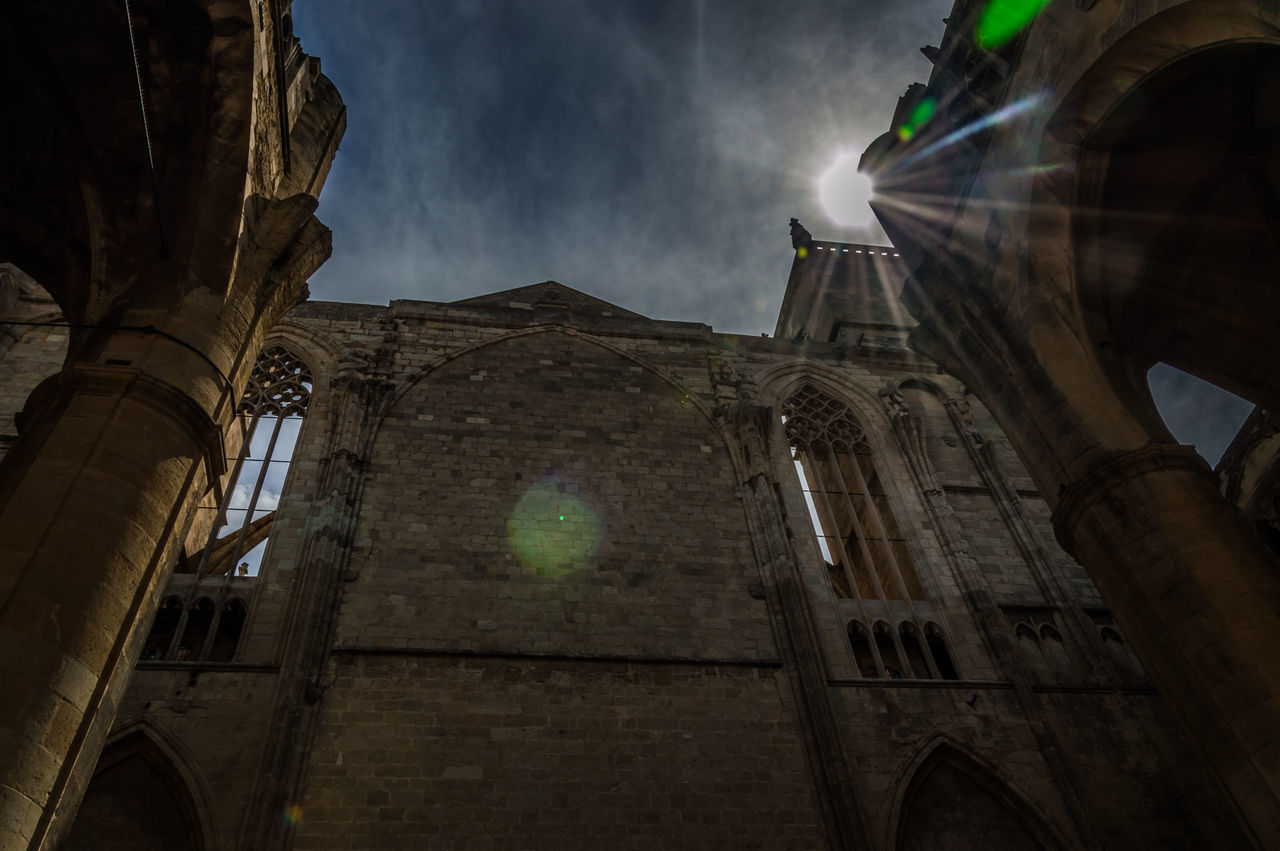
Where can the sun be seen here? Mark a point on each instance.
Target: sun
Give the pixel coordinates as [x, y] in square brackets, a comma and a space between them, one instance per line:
[846, 193]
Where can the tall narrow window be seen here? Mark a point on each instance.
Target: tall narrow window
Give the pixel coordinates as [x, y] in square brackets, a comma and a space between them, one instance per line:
[270, 416]
[858, 532]
[859, 538]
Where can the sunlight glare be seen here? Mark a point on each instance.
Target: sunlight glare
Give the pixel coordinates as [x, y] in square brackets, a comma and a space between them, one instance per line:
[846, 193]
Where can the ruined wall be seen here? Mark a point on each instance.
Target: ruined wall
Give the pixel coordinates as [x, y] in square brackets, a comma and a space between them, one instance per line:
[434, 657]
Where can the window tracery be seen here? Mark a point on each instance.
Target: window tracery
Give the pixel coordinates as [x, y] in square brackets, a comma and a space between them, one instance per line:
[859, 537]
[270, 416]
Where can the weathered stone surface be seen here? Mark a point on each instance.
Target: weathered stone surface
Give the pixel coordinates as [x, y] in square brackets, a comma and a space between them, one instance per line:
[685, 680]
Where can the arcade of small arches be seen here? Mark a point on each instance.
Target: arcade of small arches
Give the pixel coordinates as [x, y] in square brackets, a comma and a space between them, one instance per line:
[910, 653]
[199, 631]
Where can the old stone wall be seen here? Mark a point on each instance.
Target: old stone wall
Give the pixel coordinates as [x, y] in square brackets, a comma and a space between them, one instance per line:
[514, 597]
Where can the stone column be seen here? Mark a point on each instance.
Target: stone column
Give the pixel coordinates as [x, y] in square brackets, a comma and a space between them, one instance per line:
[90, 498]
[1196, 595]
[1200, 601]
[751, 430]
[358, 404]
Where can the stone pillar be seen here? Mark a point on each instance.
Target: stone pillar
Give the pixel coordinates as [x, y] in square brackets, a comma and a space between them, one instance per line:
[1200, 601]
[751, 430]
[90, 498]
[1196, 595]
[358, 404]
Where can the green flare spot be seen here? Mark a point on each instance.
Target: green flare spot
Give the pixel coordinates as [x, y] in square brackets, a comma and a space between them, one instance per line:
[551, 532]
[923, 111]
[1001, 20]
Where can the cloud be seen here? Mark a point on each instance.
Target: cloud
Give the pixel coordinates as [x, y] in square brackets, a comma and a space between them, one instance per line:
[1196, 412]
[648, 153]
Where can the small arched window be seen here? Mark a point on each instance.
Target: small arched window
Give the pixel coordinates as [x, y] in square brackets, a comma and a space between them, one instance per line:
[888, 651]
[270, 417]
[916, 661]
[230, 625]
[163, 629]
[937, 644]
[1029, 643]
[862, 653]
[199, 620]
[1055, 651]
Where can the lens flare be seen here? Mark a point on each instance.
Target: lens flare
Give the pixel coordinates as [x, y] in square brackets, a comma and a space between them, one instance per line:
[293, 814]
[1001, 20]
[921, 113]
[552, 532]
[846, 193]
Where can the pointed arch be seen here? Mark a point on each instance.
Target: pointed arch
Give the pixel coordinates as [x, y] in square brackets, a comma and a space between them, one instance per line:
[566, 330]
[781, 381]
[144, 794]
[943, 785]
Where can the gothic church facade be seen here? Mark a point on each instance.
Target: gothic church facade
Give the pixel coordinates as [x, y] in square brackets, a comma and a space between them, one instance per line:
[544, 572]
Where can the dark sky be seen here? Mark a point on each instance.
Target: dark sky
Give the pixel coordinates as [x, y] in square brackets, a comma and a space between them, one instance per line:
[648, 152]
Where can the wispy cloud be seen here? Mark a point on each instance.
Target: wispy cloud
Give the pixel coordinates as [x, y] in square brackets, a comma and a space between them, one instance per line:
[647, 152]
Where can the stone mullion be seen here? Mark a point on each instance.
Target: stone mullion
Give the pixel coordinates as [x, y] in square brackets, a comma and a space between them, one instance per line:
[221, 517]
[872, 571]
[257, 491]
[847, 564]
[304, 659]
[794, 630]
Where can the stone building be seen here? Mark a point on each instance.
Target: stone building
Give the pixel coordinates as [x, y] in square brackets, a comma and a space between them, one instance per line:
[1078, 195]
[544, 572]
[158, 177]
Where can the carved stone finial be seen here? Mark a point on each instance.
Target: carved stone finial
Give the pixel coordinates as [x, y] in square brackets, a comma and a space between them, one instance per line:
[800, 238]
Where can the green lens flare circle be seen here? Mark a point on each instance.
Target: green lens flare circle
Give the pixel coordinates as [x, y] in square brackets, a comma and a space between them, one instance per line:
[552, 533]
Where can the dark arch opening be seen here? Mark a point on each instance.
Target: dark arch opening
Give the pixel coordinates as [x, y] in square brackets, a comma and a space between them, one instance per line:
[938, 647]
[230, 625]
[953, 804]
[862, 650]
[1179, 236]
[163, 628]
[136, 801]
[910, 639]
[199, 619]
[888, 650]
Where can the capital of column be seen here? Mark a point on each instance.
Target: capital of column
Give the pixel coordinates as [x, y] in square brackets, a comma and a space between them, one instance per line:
[107, 380]
[1077, 497]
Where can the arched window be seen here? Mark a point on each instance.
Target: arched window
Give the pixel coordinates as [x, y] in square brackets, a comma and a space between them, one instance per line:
[227, 636]
[1122, 657]
[858, 534]
[859, 538]
[1029, 643]
[1055, 652]
[937, 644]
[916, 662]
[270, 416]
[888, 650]
[163, 629]
[862, 652]
[199, 619]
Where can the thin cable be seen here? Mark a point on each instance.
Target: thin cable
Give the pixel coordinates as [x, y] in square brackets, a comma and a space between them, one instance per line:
[146, 127]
